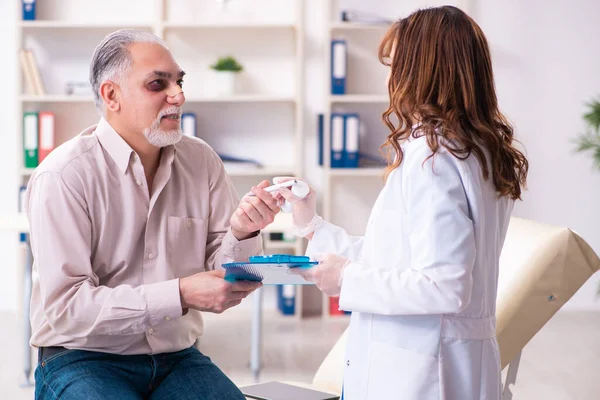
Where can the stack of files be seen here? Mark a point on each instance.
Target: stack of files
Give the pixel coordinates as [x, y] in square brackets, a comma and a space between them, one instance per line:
[345, 139]
[38, 137]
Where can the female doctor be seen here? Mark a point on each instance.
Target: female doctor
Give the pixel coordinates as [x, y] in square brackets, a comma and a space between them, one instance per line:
[421, 283]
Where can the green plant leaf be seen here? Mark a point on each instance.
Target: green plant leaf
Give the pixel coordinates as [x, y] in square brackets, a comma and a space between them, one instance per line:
[592, 117]
[227, 64]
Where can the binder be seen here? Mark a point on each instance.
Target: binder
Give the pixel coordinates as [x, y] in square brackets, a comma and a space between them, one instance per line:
[337, 140]
[286, 299]
[320, 127]
[30, 139]
[351, 142]
[28, 10]
[188, 124]
[339, 61]
[46, 140]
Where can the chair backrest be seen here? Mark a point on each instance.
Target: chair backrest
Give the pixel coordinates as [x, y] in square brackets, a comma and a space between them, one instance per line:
[541, 267]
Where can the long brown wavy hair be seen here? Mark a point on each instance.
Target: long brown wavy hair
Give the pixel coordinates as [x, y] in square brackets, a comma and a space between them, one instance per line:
[441, 78]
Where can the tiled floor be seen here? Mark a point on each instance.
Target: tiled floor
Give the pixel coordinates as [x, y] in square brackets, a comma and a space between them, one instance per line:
[561, 363]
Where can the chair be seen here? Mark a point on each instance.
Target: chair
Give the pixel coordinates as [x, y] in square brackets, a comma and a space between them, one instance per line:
[541, 267]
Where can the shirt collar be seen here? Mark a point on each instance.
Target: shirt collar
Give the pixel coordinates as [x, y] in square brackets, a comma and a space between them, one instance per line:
[119, 150]
[113, 143]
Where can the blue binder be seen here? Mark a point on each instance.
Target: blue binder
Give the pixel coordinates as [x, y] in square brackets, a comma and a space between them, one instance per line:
[270, 270]
[320, 127]
[286, 299]
[351, 140]
[28, 10]
[339, 61]
[337, 134]
[188, 124]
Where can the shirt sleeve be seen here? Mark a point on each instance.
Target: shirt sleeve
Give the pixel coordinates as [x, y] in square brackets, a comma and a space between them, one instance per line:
[221, 245]
[74, 302]
[330, 238]
[442, 247]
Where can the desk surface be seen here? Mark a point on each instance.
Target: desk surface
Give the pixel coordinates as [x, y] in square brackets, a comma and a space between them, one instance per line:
[14, 222]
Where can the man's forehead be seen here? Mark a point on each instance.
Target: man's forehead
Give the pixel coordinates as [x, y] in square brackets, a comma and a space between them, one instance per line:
[154, 59]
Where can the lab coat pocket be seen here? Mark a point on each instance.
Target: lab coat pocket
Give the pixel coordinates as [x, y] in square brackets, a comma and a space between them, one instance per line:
[186, 244]
[398, 373]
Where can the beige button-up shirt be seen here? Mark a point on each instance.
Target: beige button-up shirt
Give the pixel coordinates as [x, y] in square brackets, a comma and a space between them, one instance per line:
[108, 255]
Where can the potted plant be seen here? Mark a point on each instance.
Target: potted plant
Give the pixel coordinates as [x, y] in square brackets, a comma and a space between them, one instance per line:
[226, 69]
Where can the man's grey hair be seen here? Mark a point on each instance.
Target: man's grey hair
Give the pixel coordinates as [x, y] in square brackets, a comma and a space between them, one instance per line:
[111, 59]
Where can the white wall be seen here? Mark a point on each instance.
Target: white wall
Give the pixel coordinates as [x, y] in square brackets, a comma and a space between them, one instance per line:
[546, 61]
[9, 181]
[547, 66]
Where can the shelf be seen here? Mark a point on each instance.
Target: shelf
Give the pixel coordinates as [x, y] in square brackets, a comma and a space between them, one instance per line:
[242, 98]
[278, 245]
[245, 170]
[358, 172]
[354, 26]
[359, 98]
[227, 25]
[232, 170]
[40, 24]
[238, 98]
[56, 98]
[27, 171]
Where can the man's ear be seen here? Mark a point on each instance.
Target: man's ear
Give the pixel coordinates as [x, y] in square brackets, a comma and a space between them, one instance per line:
[109, 92]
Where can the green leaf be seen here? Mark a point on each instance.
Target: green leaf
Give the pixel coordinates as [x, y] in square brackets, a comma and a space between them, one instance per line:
[227, 64]
[592, 117]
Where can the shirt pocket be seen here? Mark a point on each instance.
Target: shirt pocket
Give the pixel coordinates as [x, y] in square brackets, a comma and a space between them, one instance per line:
[186, 244]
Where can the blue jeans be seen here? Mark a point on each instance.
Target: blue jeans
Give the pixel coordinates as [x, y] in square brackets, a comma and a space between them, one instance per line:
[87, 375]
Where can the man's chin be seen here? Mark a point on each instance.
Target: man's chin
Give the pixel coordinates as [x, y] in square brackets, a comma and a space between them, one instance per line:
[162, 138]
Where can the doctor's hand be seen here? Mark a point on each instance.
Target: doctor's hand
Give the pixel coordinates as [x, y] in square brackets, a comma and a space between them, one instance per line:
[304, 210]
[254, 212]
[327, 275]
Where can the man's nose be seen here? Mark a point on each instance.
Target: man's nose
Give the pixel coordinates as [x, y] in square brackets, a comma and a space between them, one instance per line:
[176, 97]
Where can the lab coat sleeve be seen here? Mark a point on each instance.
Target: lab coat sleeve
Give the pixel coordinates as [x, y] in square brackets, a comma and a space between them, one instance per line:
[442, 246]
[330, 238]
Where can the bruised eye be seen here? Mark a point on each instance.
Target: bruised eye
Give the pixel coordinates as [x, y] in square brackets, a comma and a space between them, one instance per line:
[156, 85]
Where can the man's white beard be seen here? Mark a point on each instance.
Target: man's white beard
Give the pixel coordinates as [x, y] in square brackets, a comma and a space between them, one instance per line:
[157, 136]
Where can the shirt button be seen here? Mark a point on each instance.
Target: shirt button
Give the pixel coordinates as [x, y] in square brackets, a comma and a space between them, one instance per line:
[139, 183]
[167, 318]
[348, 363]
[236, 249]
[151, 331]
[151, 256]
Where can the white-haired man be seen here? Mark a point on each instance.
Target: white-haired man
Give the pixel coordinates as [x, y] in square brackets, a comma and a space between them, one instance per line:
[130, 222]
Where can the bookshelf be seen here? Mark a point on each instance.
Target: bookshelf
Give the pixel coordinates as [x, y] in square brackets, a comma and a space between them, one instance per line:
[353, 191]
[267, 104]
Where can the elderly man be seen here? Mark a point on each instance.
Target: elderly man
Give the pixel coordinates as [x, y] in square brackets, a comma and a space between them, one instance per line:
[130, 222]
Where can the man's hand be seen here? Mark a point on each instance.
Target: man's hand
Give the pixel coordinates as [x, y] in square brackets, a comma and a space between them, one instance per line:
[208, 291]
[254, 212]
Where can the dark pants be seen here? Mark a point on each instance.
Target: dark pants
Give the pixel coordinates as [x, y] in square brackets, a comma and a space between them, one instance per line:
[87, 375]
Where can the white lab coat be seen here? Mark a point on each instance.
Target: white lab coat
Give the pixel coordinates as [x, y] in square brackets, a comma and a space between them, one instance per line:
[422, 283]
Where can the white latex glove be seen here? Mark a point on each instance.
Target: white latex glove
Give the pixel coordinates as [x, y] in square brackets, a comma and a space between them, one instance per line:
[304, 210]
[327, 275]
